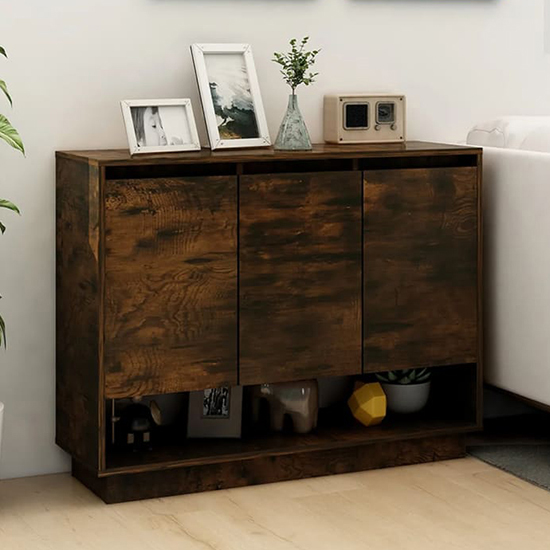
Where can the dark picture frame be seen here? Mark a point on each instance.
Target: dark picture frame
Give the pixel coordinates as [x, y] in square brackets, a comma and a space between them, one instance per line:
[215, 412]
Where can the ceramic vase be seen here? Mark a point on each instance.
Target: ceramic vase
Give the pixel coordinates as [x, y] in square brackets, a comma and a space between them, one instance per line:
[293, 134]
[297, 400]
[407, 398]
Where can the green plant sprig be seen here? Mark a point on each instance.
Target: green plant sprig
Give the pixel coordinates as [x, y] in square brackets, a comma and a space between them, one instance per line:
[296, 64]
[10, 135]
[404, 377]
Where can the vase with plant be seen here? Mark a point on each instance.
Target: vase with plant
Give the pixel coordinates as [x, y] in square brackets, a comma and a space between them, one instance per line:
[295, 68]
[407, 391]
[10, 135]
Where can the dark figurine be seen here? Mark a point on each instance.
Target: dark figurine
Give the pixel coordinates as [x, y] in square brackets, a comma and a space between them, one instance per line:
[297, 400]
[135, 425]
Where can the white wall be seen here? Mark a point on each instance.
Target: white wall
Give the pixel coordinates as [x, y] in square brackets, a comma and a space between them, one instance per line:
[71, 61]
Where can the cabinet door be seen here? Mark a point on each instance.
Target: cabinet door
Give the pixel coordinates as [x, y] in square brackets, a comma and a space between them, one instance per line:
[420, 260]
[170, 285]
[300, 276]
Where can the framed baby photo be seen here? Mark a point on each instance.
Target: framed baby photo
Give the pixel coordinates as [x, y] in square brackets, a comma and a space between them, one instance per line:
[230, 95]
[160, 126]
[216, 412]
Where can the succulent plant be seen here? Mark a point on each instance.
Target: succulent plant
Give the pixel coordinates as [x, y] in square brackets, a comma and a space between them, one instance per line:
[404, 377]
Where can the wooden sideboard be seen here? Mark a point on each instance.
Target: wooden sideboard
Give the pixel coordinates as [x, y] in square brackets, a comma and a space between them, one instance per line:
[189, 271]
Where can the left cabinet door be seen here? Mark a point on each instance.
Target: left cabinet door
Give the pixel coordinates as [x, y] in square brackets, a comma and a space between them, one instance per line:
[170, 285]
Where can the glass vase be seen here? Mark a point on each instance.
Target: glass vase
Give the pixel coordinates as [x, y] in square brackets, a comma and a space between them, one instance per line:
[293, 134]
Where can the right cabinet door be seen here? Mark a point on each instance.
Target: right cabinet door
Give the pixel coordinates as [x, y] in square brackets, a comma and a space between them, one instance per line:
[420, 267]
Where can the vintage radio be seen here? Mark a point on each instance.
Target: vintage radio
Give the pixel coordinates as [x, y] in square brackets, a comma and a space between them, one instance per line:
[364, 118]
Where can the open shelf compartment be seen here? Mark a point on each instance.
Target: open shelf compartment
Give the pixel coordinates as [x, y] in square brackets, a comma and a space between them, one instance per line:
[452, 409]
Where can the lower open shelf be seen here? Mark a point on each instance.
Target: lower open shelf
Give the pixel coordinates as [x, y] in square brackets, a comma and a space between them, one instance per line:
[453, 409]
[331, 434]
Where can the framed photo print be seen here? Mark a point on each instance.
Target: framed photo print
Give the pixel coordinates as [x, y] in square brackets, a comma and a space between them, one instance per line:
[160, 126]
[230, 95]
[216, 412]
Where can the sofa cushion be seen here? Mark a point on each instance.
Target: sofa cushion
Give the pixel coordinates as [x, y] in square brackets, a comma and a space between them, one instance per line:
[530, 133]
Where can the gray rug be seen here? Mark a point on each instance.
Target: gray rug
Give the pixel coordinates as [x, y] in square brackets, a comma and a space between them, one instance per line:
[528, 462]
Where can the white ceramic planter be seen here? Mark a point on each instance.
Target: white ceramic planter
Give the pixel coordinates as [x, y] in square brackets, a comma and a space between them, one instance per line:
[406, 399]
[1, 420]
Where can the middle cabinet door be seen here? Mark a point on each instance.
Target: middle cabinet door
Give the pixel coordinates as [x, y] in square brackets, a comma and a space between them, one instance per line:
[300, 276]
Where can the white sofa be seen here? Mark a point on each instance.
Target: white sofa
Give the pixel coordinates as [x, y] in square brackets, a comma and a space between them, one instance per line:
[516, 200]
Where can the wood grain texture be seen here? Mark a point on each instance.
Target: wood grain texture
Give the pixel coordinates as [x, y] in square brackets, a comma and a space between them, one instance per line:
[300, 276]
[171, 285]
[199, 452]
[148, 298]
[480, 293]
[461, 504]
[78, 393]
[119, 157]
[246, 472]
[420, 268]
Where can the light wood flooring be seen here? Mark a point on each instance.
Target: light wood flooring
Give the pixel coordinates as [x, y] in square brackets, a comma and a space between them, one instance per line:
[461, 504]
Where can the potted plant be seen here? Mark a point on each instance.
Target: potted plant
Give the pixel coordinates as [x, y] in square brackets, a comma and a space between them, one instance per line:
[407, 391]
[293, 134]
[10, 135]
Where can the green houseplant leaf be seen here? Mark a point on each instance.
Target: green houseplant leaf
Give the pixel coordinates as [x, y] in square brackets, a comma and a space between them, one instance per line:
[404, 377]
[2, 332]
[4, 88]
[10, 135]
[296, 63]
[9, 205]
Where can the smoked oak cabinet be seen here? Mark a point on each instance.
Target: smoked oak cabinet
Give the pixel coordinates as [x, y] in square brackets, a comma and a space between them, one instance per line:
[190, 271]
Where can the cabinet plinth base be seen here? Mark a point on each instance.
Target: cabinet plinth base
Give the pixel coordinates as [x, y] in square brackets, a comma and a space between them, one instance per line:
[163, 482]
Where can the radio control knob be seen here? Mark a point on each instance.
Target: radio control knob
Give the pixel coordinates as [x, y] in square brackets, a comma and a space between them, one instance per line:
[393, 127]
[377, 127]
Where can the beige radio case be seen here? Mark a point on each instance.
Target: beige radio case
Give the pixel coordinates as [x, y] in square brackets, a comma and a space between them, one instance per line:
[375, 131]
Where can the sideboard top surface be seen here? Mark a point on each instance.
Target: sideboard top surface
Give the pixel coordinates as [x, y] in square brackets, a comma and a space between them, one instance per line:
[121, 157]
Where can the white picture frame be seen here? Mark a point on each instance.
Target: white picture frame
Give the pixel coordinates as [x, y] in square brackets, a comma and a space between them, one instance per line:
[173, 119]
[239, 81]
[220, 417]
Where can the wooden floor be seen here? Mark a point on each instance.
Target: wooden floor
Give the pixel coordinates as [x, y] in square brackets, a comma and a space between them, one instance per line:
[462, 504]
